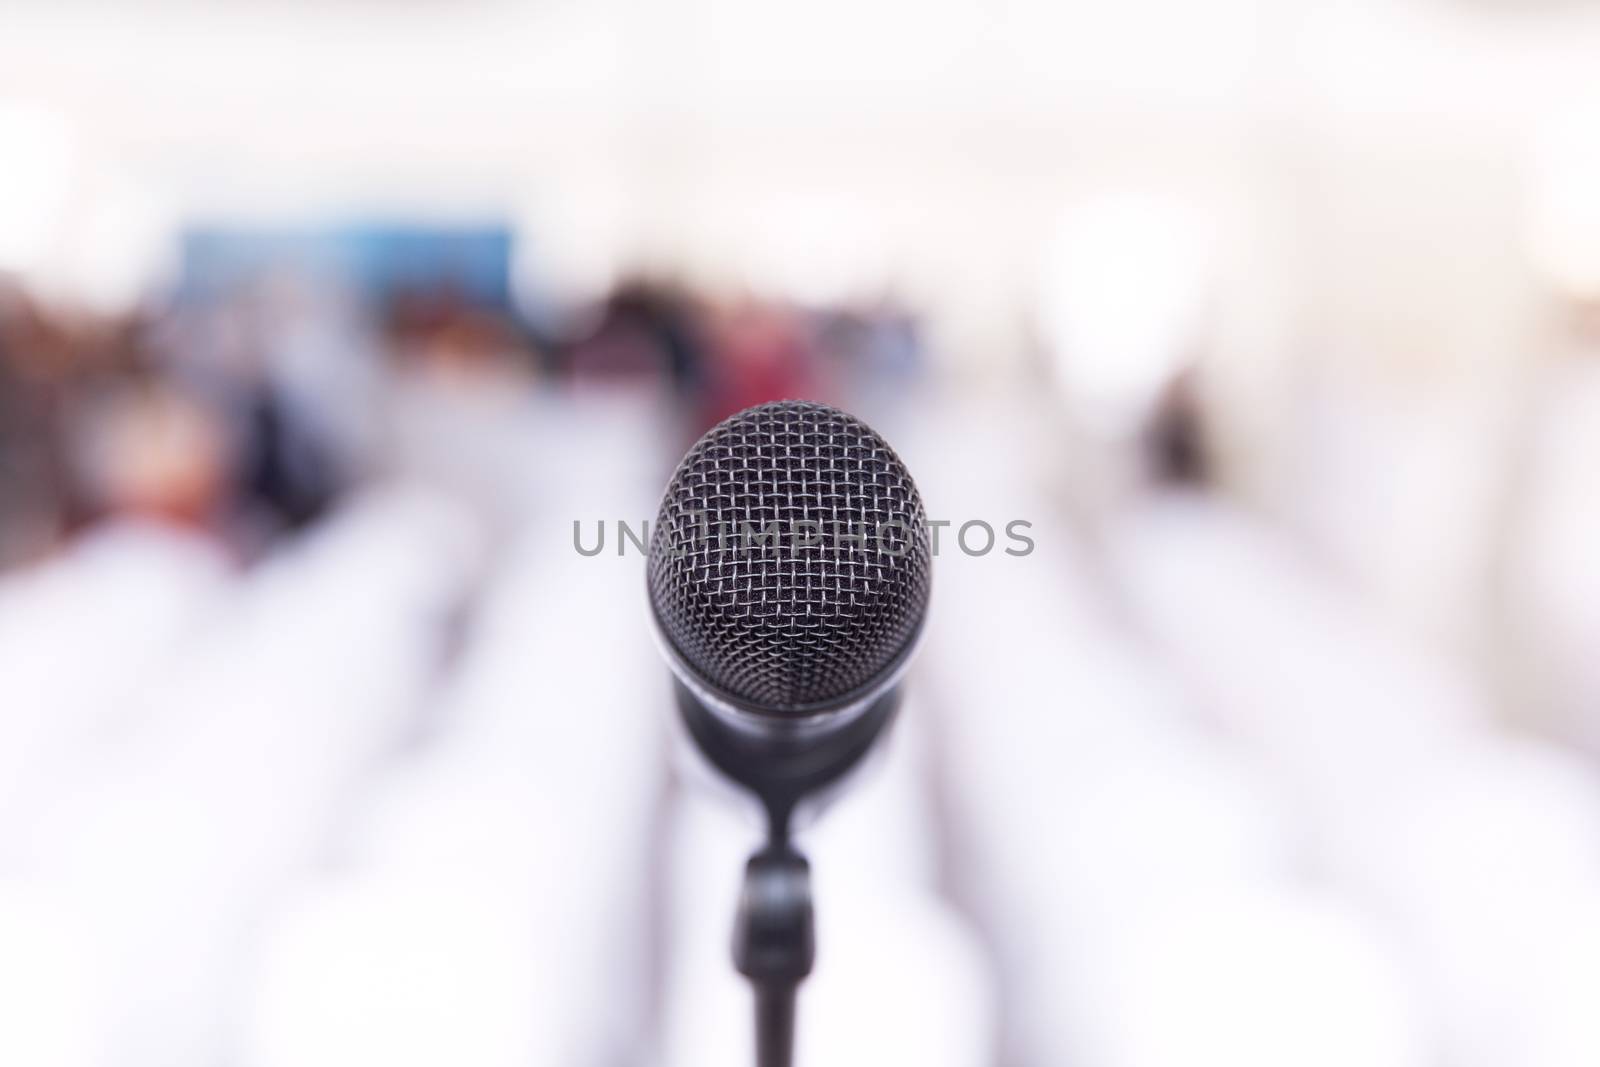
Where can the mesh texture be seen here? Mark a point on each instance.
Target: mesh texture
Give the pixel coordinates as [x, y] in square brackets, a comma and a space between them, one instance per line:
[796, 615]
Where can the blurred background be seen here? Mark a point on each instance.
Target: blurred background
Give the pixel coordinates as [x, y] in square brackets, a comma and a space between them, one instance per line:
[322, 324]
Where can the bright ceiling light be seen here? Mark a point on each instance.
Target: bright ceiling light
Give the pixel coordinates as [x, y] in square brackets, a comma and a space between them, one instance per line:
[38, 158]
[1563, 226]
[1123, 291]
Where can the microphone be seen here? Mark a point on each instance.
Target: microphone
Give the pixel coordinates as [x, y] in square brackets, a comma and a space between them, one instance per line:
[789, 575]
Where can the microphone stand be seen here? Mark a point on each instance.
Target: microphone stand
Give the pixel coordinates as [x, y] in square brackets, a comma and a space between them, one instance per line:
[774, 945]
[774, 936]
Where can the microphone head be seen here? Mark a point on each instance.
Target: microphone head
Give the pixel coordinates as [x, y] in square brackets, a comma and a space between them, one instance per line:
[789, 566]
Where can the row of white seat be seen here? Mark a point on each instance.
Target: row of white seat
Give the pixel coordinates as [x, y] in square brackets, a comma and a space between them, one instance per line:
[1213, 812]
[492, 898]
[1199, 807]
[199, 732]
[1477, 847]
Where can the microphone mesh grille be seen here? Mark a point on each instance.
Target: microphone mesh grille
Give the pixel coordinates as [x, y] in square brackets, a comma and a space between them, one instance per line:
[809, 616]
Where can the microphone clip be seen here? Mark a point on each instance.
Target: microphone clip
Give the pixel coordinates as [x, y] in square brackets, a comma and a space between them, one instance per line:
[783, 769]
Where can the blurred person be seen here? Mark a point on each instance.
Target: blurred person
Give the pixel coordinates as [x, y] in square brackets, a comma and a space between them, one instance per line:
[872, 342]
[282, 469]
[1174, 441]
[285, 472]
[310, 415]
[31, 461]
[458, 410]
[151, 452]
[761, 353]
[646, 331]
[321, 350]
[1550, 573]
[54, 366]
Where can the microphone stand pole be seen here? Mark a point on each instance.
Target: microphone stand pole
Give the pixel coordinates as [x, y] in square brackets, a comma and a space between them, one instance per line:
[774, 935]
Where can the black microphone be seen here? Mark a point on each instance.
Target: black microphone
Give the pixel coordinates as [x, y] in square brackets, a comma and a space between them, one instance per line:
[789, 577]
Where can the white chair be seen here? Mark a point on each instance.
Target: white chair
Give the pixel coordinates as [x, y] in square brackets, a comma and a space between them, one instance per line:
[1238, 979]
[531, 808]
[170, 845]
[1479, 850]
[82, 638]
